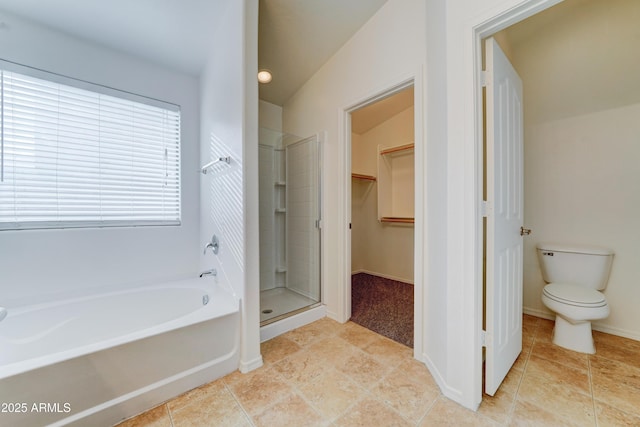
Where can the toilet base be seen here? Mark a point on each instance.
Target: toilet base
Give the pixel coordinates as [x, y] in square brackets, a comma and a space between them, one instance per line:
[573, 336]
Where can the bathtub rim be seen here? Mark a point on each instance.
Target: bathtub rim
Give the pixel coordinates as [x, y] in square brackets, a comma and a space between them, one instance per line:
[221, 304]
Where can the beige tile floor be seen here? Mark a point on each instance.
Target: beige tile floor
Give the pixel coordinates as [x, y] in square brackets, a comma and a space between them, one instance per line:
[329, 374]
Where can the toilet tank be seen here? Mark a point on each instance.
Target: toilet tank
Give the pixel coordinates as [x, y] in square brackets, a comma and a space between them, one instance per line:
[580, 265]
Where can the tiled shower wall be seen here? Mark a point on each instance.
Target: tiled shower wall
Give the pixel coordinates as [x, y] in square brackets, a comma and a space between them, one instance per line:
[272, 224]
[289, 209]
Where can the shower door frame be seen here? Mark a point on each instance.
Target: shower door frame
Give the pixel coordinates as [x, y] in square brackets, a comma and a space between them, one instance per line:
[318, 222]
[318, 138]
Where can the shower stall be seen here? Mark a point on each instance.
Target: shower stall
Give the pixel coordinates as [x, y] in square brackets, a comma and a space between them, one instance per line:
[290, 205]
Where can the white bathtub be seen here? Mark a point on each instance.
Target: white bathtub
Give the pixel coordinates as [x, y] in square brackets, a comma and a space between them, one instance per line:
[99, 359]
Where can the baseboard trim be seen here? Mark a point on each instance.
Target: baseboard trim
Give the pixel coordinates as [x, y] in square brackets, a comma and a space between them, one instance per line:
[250, 365]
[449, 392]
[539, 313]
[595, 326]
[616, 331]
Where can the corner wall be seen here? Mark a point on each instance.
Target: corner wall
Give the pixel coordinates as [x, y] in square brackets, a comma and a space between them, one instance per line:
[229, 196]
[37, 264]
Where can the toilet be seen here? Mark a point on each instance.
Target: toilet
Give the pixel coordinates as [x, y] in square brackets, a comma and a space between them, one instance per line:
[575, 277]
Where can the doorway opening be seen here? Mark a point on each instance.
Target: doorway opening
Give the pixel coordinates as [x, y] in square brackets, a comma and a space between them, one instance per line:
[382, 143]
[566, 125]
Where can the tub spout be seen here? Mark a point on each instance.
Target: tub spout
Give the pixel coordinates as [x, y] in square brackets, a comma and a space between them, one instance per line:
[213, 272]
[3, 313]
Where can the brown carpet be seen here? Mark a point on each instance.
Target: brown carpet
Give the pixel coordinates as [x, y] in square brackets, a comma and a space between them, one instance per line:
[385, 306]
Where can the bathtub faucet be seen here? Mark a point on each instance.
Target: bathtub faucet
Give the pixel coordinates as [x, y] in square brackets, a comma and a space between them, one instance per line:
[213, 272]
[214, 244]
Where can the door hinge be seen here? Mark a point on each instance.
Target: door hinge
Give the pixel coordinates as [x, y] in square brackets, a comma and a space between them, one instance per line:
[484, 78]
[319, 223]
[483, 338]
[485, 208]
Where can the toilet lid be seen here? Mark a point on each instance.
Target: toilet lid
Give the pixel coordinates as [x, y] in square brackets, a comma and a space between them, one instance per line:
[574, 295]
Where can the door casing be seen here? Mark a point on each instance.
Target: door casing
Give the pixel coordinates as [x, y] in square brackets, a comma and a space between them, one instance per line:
[488, 27]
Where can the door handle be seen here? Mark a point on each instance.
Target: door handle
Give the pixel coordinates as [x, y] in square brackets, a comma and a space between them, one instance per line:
[525, 231]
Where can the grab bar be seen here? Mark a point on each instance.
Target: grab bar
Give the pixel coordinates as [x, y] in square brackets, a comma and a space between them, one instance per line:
[226, 160]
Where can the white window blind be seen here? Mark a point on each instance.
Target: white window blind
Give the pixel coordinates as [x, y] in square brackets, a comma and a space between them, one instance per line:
[72, 157]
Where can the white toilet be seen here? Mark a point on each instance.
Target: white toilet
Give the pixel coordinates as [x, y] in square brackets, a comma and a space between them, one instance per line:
[575, 275]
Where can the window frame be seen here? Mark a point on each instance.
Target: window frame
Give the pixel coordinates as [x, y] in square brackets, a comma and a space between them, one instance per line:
[60, 223]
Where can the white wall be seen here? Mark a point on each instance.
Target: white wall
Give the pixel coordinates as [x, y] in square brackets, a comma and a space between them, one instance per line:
[379, 248]
[37, 263]
[354, 73]
[229, 200]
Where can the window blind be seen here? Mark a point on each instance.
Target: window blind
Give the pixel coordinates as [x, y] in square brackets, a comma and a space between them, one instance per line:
[72, 157]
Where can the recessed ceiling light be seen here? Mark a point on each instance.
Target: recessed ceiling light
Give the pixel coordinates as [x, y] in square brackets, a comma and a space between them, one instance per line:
[264, 76]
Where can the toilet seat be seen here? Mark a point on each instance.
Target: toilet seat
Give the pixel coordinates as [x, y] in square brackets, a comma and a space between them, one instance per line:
[566, 293]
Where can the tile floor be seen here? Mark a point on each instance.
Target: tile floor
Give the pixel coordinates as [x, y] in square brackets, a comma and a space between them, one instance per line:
[329, 374]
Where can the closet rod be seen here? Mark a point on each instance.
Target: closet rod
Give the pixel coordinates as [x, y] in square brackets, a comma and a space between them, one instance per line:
[398, 148]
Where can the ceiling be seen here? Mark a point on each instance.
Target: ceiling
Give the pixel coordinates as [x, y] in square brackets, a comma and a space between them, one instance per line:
[296, 37]
[577, 57]
[168, 32]
[372, 115]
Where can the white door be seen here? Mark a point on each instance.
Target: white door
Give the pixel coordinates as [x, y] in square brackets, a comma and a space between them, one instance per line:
[504, 164]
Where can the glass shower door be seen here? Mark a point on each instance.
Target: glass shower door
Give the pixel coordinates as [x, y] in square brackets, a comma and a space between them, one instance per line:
[289, 225]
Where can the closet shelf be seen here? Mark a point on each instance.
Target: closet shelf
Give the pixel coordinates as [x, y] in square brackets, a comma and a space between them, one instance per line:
[405, 147]
[398, 219]
[362, 176]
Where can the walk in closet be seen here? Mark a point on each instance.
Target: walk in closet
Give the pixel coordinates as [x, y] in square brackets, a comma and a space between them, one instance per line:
[382, 216]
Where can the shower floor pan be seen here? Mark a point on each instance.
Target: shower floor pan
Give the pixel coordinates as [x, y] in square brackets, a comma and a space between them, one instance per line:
[277, 302]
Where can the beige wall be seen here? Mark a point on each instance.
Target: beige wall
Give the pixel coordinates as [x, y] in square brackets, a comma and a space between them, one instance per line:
[386, 51]
[269, 116]
[379, 248]
[582, 121]
[581, 186]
